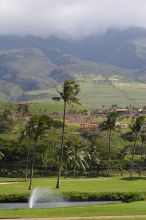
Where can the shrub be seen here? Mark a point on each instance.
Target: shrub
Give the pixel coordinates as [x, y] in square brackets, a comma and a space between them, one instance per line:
[104, 196]
[82, 196]
[14, 198]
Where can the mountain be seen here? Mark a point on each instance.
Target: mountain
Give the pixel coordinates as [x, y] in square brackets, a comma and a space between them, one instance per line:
[109, 47]
[34, 63]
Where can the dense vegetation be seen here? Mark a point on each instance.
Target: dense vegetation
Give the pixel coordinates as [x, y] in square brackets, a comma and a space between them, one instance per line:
[124, 197]
[33, 143]
[31, 146]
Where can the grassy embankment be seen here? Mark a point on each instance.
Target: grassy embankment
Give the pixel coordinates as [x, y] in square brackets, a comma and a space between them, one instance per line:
[100, 184]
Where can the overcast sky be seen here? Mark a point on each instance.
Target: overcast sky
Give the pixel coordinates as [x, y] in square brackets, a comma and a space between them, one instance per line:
[69, 18]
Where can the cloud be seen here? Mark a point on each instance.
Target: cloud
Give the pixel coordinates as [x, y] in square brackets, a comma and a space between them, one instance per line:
[69, 18]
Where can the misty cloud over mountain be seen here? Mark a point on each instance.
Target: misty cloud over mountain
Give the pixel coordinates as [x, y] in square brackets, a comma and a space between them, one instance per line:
[70, 19]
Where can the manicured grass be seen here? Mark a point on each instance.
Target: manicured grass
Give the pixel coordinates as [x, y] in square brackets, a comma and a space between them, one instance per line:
[101, 184]
[136, 208]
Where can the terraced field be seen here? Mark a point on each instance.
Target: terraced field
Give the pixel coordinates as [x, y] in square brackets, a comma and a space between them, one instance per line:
[137, 94]
[98, 92]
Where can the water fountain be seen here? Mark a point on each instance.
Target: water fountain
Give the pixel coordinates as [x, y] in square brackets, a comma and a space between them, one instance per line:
[44, 197]
[47, 198]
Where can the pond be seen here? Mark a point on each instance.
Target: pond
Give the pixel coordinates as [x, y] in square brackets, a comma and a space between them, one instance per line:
[52, 204]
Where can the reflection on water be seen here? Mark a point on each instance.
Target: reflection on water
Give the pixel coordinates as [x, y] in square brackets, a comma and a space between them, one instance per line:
[47, 198]
[51, 204]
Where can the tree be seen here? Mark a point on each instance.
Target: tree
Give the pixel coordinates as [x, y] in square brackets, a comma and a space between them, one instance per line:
[93, 150]
[121, 158]
[93, 159]
[6, 121]
[35, 130]
[136, 129]
[110, 124]
[75, 154]
[1, 155]
[26, 134]
[68, 95]
[143, 139]
[76, 157]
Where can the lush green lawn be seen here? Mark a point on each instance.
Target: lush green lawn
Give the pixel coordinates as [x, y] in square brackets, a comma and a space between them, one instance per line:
[100, 184]
[83, 185]
[112, 209]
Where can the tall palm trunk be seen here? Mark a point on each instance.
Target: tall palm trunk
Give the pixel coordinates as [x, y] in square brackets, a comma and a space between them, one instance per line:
[27, 159]
[132, 158]
[61, 150]
[121, 166]
[32, 167]
[109, 153]
[141, 158]
[65, 174]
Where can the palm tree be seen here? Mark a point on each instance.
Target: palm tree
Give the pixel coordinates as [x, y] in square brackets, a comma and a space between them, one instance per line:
[67, 158]
[35, 129]
[93, 159]
[75, 156]
[26, 133]
[93, 150]
[68, 95]
[143, 139]
[109, 125]
[1, 155]
[121, 157]
[136, 129]
[27, 160]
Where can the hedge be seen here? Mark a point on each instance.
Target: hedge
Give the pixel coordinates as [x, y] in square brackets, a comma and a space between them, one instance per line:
[105, 196]
[82, 196]
[13, 198]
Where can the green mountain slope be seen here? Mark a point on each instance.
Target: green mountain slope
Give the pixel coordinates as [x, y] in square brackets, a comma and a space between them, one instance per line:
[30, 65]
[27, 68]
